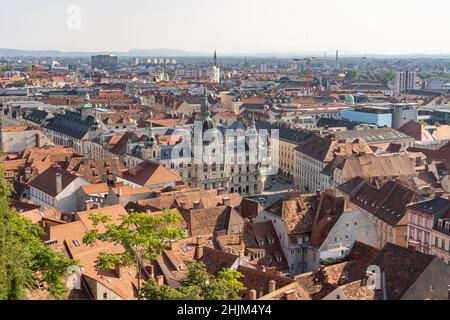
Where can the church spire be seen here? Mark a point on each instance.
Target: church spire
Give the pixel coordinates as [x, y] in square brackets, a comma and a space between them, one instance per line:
[215, 58]
[205, 110]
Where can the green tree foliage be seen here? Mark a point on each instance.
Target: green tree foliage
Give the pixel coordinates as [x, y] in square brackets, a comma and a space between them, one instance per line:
[385, 77]
[143, 237]
[6, 67]
[24, 258]
[198, 285]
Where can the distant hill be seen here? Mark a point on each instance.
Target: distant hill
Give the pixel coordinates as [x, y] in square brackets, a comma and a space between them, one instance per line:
[163, 52]
[167, 52]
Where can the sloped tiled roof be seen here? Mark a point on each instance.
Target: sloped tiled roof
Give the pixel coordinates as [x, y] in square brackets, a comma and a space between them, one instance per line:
[149, 173]
[401, 267]
[296, 211]
[46, 181]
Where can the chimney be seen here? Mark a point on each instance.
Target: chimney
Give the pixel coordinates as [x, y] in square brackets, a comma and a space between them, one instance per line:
[261, 293]
[220, 191]
[160, 280]
[58, 183]
[151, 271]
[196, 204]
[226, 201]
[119, 191]
[199, 252]
[291, 294]
[88, 204]
[252, 295]
[38, 140]
[272, 285]
[118, 270]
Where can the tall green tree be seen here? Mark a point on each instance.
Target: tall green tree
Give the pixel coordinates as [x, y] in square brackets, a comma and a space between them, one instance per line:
[143, 237]
[199, 285]
[24, 259]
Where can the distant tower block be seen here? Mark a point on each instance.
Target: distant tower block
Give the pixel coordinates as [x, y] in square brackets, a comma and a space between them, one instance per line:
[337, 59]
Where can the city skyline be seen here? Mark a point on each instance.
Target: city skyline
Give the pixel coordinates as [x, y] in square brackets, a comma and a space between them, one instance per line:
[233, 28]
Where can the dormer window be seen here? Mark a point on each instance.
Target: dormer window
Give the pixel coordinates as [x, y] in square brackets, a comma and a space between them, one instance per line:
[440, 222]
[260, 243]
[447, 225]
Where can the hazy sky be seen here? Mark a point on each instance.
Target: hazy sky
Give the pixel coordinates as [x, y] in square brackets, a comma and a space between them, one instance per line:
[230, 26]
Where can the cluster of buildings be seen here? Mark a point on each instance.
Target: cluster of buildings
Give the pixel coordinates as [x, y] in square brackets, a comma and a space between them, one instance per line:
[345, 198]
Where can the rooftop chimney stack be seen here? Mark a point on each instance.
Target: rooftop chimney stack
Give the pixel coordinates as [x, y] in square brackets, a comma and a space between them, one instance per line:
[118, 270]
[58, 183]
[226, 201]
[199, 251]
[272, 285]
[160, 280]
[196, 205]
[252, 294]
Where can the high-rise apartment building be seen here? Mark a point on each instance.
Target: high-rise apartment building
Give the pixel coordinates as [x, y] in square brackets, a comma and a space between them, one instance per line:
[404, 80]
[104, 61]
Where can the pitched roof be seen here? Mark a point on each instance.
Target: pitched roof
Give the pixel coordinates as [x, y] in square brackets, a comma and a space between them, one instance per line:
[357, 291]
[95, 188]
[95, 171]
[148, 173]
[324, 149]
[70, 124]
[296, 211]
[262, 236]
[259, 280]
[293, 291]
[208, 221]
[387, 203]
[369, 166]
[46, 181]
[328, 213]
[401, 267]
[115, 212]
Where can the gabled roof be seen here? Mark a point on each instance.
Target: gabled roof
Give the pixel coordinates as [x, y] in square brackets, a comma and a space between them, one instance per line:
[95, 171]
[258, 280]
[46, 181]
[95, 188]
[329, 212]
[296, 211]
[387, 203]
[262, 236]
[369, 166]
[149, 173]
[325, 149]
[205, 222]
[401, 268]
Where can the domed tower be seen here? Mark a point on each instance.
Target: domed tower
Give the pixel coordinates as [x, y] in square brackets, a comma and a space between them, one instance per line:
[151, 147]
[86, 109]
[151, 139]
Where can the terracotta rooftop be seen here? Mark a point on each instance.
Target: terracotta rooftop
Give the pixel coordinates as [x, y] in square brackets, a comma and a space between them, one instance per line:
[297, 212]
[148, 173]
[95, 188]
[293, 291]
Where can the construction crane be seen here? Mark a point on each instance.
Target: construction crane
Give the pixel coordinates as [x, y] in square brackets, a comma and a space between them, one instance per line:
[308, 77]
